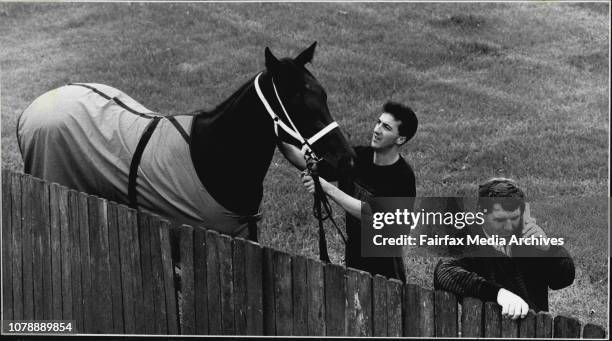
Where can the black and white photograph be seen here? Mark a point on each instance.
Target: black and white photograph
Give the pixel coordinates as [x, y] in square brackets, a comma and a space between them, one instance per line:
[276, 168]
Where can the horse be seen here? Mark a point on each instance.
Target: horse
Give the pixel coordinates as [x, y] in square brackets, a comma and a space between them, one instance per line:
[205, 168]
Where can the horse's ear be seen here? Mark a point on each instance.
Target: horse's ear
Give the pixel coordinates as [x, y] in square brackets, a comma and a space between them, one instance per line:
[271, 61]
[306, 56]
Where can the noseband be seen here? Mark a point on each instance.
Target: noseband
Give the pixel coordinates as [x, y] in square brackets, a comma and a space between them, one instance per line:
[305, 144]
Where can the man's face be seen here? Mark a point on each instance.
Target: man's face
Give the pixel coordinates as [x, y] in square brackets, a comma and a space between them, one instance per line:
[386, 132]
[501, 222]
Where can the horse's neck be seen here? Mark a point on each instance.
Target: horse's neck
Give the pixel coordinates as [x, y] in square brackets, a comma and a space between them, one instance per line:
[232, 151]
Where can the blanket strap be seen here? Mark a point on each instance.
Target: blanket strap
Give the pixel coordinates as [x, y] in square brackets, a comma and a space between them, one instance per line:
[178, 127]
[114, 99]
[144, 139]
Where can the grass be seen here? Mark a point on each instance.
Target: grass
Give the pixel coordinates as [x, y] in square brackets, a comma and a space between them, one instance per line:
[518, 90]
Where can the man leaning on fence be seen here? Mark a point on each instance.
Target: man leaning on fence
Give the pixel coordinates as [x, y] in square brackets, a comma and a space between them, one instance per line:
[516, 277]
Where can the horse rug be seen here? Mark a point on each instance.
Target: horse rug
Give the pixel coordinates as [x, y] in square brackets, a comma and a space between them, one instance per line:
[85, 136]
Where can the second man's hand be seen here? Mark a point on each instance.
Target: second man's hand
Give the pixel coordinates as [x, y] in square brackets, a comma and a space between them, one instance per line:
[513, 306]
[530, 228]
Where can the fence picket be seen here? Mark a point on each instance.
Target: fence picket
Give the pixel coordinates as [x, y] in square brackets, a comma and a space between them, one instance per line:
[48, 277]
[509, 328]
[591, 331]
[471, 317]
[157, 272]
[67, 252]
[335, 300]
[446, 314]
[226, 284]
[184, 262]
[102, 320]
[254, 258]
[527, 326]
[492, 321]
[86, 286]
[129, 277]
[115, 269]
[394, 307]
[426, 312]
[137, 278]
[359, 303]
[200, 281]
[168, 278]
[144, 237]
[410, 310]
[299, 274]
[544, 325]
[213, 283]
[379, 306]
[7, 251]
[38, 228]
[17, 243]
[268, 292]
[56, 252]
[316, 297]
[28, 246]
[240, 284]
[75, 263]
[283, 303]
[566, 328]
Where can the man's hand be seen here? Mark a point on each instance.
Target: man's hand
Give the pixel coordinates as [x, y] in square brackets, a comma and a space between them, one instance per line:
[308, 182]
[351, 205]
[512, 305]
[530, 228]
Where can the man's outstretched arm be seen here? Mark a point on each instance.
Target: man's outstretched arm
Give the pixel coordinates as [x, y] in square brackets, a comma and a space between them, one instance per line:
[348, 203]
[453, 275]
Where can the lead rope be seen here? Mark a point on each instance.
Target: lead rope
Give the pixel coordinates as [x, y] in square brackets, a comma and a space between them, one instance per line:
[321, 204]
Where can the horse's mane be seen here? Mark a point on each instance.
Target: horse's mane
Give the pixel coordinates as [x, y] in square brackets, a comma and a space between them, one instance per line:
[221, 108]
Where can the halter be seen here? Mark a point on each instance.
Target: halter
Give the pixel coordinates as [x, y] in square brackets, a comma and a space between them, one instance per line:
[322, 207]
[292, 131]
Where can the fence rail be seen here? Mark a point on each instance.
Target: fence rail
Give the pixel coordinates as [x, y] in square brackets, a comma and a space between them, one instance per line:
[71, 256]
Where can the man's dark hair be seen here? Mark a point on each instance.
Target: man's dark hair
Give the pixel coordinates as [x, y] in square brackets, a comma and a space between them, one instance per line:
[505, 192]
[409, 122]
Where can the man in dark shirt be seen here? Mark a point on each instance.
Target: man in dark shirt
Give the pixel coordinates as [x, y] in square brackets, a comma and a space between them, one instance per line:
[516, 277]
[380, 171]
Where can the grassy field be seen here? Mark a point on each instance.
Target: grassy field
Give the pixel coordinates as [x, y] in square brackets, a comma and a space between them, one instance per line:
[518, 90]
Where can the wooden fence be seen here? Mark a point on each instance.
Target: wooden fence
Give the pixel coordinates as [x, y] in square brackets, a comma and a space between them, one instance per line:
[71, 256]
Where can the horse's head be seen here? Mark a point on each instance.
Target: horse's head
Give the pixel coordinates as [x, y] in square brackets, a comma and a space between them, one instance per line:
[305, 102]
